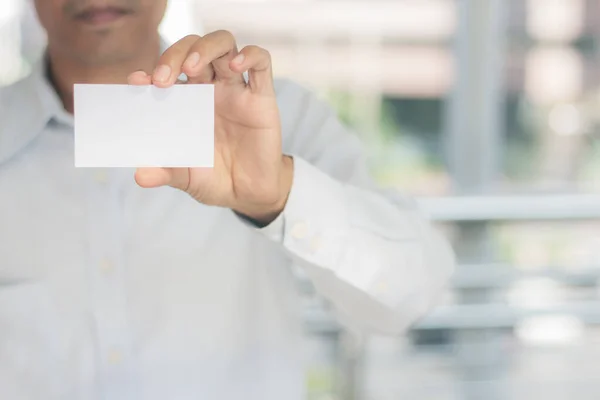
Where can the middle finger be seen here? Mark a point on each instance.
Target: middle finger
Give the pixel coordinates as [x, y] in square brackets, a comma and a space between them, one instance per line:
[216, 49]
[170, 64]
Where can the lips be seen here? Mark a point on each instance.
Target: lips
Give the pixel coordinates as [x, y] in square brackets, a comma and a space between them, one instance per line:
[98, 16]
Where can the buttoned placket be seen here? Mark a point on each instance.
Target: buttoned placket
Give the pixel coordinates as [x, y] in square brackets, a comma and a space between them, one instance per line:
[107, 281]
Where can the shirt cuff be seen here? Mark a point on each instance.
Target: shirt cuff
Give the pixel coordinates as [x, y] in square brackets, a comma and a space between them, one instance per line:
[314, 224]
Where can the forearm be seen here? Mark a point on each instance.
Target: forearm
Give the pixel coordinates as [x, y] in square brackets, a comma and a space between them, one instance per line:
[379, 263]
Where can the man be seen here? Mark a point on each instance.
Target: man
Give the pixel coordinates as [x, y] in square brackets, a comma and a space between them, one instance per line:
[181, 286]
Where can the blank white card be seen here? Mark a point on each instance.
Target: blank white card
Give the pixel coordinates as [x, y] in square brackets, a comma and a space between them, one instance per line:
[144, 126]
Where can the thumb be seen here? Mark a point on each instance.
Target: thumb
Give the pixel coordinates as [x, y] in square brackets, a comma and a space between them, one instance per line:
[149, 178]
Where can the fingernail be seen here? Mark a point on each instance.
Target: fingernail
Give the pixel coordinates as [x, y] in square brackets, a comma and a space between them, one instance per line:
[162, 73]
[192, 60]
[239, 58]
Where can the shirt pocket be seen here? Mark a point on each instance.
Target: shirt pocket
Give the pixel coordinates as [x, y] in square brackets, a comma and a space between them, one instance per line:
[32, 344]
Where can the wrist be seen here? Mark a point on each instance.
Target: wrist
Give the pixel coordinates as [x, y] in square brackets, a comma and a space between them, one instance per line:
[263, 215]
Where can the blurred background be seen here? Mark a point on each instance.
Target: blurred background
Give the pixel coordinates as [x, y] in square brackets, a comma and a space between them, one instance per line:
[488, 112]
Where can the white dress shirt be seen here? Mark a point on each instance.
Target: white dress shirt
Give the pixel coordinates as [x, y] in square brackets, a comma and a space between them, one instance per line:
[110, 291]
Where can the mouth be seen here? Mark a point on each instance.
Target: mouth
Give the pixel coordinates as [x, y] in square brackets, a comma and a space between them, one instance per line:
[102, 15]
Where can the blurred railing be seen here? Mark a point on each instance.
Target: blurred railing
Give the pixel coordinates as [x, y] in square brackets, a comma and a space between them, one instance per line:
[488, 312]
[549, 207]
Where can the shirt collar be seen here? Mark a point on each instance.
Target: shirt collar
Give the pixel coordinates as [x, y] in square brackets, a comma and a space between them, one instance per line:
[28, 106]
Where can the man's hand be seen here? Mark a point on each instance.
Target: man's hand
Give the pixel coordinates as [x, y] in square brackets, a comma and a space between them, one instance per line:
[251, 175]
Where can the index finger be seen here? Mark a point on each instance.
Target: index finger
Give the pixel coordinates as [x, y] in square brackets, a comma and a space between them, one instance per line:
[170, 63]
[215, 51]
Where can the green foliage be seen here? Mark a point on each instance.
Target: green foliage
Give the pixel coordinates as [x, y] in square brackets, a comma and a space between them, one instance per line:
[320, 382]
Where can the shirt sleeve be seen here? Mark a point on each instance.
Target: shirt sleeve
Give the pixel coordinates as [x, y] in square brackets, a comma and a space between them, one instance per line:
[371, 253]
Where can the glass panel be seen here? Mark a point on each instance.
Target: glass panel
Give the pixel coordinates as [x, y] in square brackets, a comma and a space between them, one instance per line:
[386, 66]
[552, 96]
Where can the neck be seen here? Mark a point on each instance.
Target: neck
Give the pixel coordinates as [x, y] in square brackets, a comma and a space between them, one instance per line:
[64, 72]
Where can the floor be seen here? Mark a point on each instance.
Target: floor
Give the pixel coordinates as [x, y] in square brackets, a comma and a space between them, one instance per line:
[507, 370]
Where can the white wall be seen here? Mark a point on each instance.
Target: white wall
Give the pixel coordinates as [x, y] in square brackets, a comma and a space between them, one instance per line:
[10, 41]
[180, 21]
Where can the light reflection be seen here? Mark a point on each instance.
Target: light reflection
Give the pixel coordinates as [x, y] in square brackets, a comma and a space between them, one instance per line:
[565, 119]
[10, 41]
[550, 330]
[555, 20]
[554, 75]
[536, 293]
[9, 10]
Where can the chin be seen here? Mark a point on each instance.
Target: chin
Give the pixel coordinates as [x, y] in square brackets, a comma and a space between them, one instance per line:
[104, 58]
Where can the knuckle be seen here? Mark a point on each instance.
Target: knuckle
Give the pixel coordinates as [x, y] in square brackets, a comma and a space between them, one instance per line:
[226, 37]
[180, 49]
[175, 53]
[226, 34]
[259, 53]
[192, 37]
[199, 47]
[250, 51]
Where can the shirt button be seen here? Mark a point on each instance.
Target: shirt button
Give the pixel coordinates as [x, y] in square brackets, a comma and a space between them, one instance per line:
[101, 177]
[107, 267]
[382, 287]
[316, 243]
[300, 230]
[115, 357]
